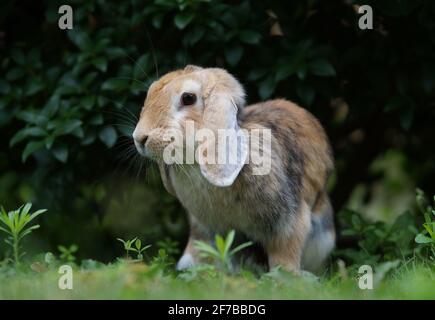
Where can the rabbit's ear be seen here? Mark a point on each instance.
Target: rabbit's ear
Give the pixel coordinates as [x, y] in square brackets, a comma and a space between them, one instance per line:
[222, 99]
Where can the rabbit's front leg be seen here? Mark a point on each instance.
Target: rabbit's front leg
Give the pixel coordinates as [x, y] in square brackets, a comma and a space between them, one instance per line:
[285, 248]
[190, 256]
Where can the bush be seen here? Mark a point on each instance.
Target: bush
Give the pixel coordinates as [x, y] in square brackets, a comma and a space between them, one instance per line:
[69, 98]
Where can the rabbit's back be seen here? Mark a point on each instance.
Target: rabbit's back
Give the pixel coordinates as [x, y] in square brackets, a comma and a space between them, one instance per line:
[299, 143]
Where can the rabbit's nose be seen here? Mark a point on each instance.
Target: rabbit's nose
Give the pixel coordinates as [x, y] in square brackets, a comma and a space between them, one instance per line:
[143, 140]
[140, 139]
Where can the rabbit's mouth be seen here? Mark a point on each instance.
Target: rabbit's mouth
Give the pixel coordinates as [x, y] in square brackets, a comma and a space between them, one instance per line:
[153, 148]
[143, 151]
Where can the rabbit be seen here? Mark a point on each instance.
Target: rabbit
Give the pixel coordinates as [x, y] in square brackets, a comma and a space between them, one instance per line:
[287, 211]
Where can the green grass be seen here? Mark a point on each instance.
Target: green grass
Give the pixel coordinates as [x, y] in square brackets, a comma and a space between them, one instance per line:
[398, 273]
[123, 280]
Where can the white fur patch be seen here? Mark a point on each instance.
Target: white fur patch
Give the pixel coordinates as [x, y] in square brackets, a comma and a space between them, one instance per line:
[185, 262]
[191, 86]
[317, 249]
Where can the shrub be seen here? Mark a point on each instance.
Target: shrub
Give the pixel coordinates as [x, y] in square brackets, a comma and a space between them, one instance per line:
[69, 98]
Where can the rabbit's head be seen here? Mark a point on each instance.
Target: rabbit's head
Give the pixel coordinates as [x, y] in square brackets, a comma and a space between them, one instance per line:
[208, 97]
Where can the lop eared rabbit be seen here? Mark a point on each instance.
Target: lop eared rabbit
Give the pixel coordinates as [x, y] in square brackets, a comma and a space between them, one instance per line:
[286, 211]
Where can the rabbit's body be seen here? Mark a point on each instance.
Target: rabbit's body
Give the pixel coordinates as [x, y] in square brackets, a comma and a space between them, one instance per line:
[262, 206]
[287, 211]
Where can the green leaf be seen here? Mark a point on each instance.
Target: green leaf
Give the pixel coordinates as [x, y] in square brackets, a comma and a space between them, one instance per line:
[88, 102]
[406, 118]
[285, 72]
[61, 153]
[25, 210]
[33, 117]
[27, 231]
[100, 63]
[36, 214]
[422, 239]
[138, 244]
[302, 72]
[34, 87]
[96, 120]
[141, 66]
[119, 239]
[267, 87]
[114, 53]
[49, 142]
[130, 243]
[256, 74]
[182, 19]
[306, 93]
[108, 136]
[80, 39]
[322, 67]
[250, 37]
[157, 20]
[241, 247]
[234, 54]
[146, 247]
[220, 244]
[4, 86]
[194, 36]
[229, 240]
[15, 73]
[18, 56]
[67, 127]
[6, 231]
[30, 148]
[206, 248]
[114, 84]
[27, 132]
[430, 227]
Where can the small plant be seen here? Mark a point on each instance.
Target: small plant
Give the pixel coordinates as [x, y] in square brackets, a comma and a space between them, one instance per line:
[427, 236]
[67, 253]
[168, 250]
[16, 226]
[134, 245]
[170, 246]
[222, 252]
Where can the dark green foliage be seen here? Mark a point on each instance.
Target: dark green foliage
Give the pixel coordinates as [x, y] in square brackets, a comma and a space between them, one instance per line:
[426, 236]
[377, 241]
[68, 99]
[410, 236]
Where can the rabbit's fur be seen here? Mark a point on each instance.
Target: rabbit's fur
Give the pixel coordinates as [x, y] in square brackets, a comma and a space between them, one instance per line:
[287, 211]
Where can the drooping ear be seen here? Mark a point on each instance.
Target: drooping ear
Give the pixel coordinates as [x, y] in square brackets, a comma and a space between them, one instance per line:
[223, 97]
[164, 173]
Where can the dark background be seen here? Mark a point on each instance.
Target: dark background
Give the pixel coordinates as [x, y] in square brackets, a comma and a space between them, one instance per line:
[68, 101]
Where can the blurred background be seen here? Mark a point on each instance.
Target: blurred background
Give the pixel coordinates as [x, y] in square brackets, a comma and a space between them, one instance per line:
[69, 101]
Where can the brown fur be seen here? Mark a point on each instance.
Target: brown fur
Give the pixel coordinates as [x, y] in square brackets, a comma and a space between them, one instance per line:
[288, 120]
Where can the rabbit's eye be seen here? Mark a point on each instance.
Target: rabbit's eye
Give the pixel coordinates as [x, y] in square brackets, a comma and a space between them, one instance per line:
[187, 99]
